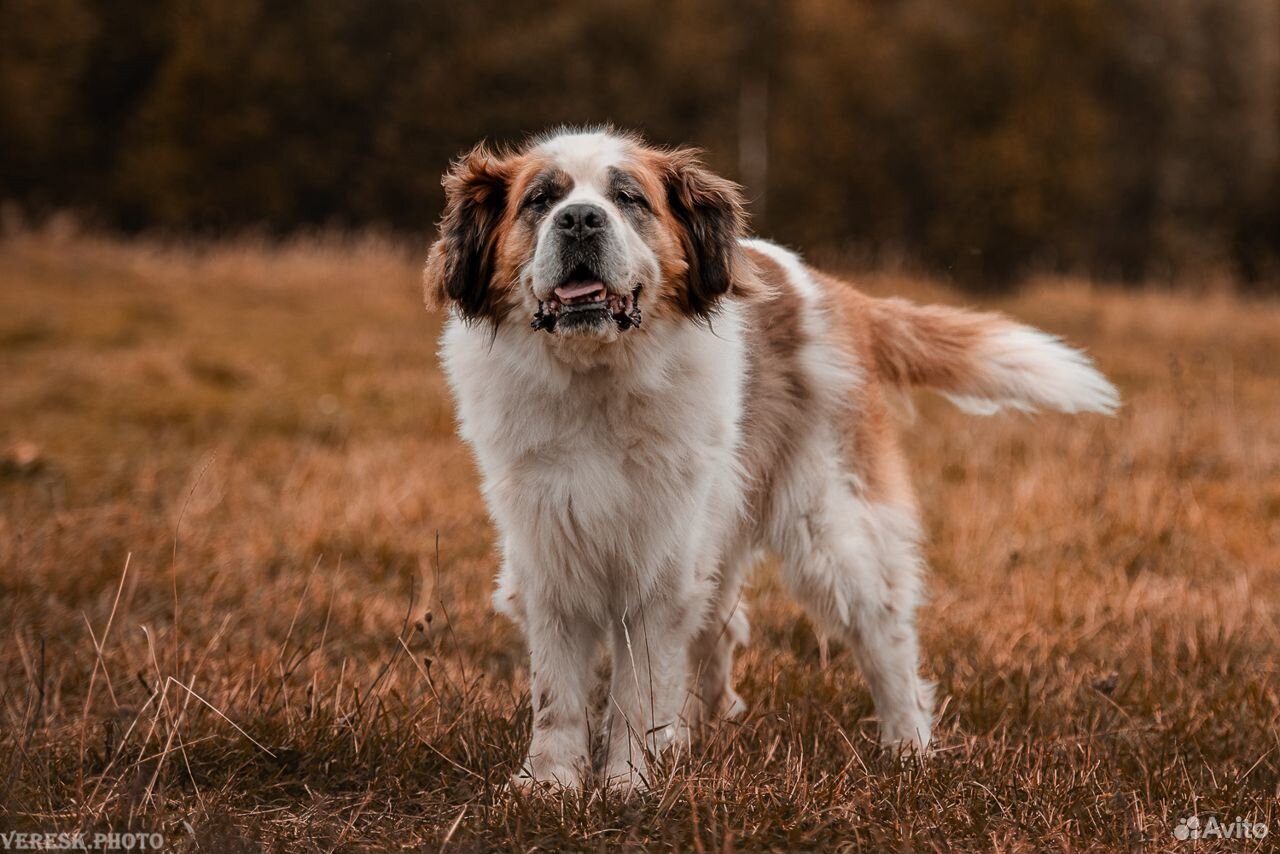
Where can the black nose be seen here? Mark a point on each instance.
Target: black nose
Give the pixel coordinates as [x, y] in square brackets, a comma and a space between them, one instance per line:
[581, 220]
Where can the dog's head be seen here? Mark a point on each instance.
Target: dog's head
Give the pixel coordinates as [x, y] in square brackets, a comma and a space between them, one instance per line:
[584, 234]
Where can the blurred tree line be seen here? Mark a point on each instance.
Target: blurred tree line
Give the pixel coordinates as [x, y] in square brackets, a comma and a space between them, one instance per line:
[1127, 138]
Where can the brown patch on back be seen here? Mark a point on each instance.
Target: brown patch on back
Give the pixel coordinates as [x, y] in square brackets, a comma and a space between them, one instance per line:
[777, 389]
[873, 448]
[780, 399]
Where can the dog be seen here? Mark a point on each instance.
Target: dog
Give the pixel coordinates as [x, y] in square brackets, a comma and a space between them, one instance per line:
[653, 398]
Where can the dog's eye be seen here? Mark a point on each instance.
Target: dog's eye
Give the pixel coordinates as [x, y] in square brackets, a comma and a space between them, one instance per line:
[631, 199]
[539, 199]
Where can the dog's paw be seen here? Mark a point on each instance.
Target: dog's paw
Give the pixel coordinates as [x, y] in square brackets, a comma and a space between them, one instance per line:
[908, 729]
[733, 706]
[907, 739]
[547, 777]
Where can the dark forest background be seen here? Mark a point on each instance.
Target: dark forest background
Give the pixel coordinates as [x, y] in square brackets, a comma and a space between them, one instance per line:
[1130, 139]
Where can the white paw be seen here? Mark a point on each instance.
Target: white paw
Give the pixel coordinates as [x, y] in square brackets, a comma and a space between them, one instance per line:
[734, 707]
[910, 736]
[543, 776]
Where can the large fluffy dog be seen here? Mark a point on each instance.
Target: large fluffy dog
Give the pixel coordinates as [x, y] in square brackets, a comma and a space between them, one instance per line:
[653, 397]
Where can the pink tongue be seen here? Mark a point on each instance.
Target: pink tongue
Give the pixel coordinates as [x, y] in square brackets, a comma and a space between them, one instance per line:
[581, 289]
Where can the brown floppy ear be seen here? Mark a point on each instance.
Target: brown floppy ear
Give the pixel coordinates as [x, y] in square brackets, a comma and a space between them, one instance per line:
[460, 263]
[711, 215]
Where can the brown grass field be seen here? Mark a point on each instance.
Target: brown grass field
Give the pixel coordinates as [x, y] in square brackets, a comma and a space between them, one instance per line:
[244, 576]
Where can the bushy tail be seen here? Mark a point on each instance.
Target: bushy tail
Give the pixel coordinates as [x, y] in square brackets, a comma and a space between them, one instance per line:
[984, 362]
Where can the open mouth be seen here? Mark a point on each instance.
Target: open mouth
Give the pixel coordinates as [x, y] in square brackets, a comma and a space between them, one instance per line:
[583, 300]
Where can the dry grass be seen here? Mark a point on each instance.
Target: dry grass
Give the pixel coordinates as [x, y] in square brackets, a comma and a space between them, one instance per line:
[223, 617]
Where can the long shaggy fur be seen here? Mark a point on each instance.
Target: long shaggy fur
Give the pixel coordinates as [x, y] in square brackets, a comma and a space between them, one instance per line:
[635, 473]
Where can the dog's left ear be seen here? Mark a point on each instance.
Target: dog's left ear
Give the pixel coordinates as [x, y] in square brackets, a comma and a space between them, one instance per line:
[460, 263]
[712, 216]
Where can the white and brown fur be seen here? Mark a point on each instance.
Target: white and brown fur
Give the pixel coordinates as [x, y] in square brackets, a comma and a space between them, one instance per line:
[634, 475]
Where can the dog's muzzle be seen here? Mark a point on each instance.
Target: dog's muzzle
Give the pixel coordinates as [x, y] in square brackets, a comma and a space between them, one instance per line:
[582, 299]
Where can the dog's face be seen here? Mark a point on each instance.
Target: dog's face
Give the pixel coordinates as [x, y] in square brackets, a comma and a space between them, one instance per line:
[584, 234]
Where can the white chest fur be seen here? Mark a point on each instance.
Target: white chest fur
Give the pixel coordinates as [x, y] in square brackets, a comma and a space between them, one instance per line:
[608, 479]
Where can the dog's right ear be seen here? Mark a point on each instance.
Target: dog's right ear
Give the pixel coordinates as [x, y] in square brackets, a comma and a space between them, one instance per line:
[461, 261]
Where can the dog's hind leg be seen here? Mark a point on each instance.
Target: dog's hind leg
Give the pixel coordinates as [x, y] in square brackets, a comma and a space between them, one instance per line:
[854, 564]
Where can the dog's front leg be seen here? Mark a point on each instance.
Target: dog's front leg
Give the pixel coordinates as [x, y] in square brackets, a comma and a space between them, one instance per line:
[648, 691]
[562, 651]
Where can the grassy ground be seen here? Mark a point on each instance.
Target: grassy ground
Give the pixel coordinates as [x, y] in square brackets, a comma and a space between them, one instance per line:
[225, 614]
